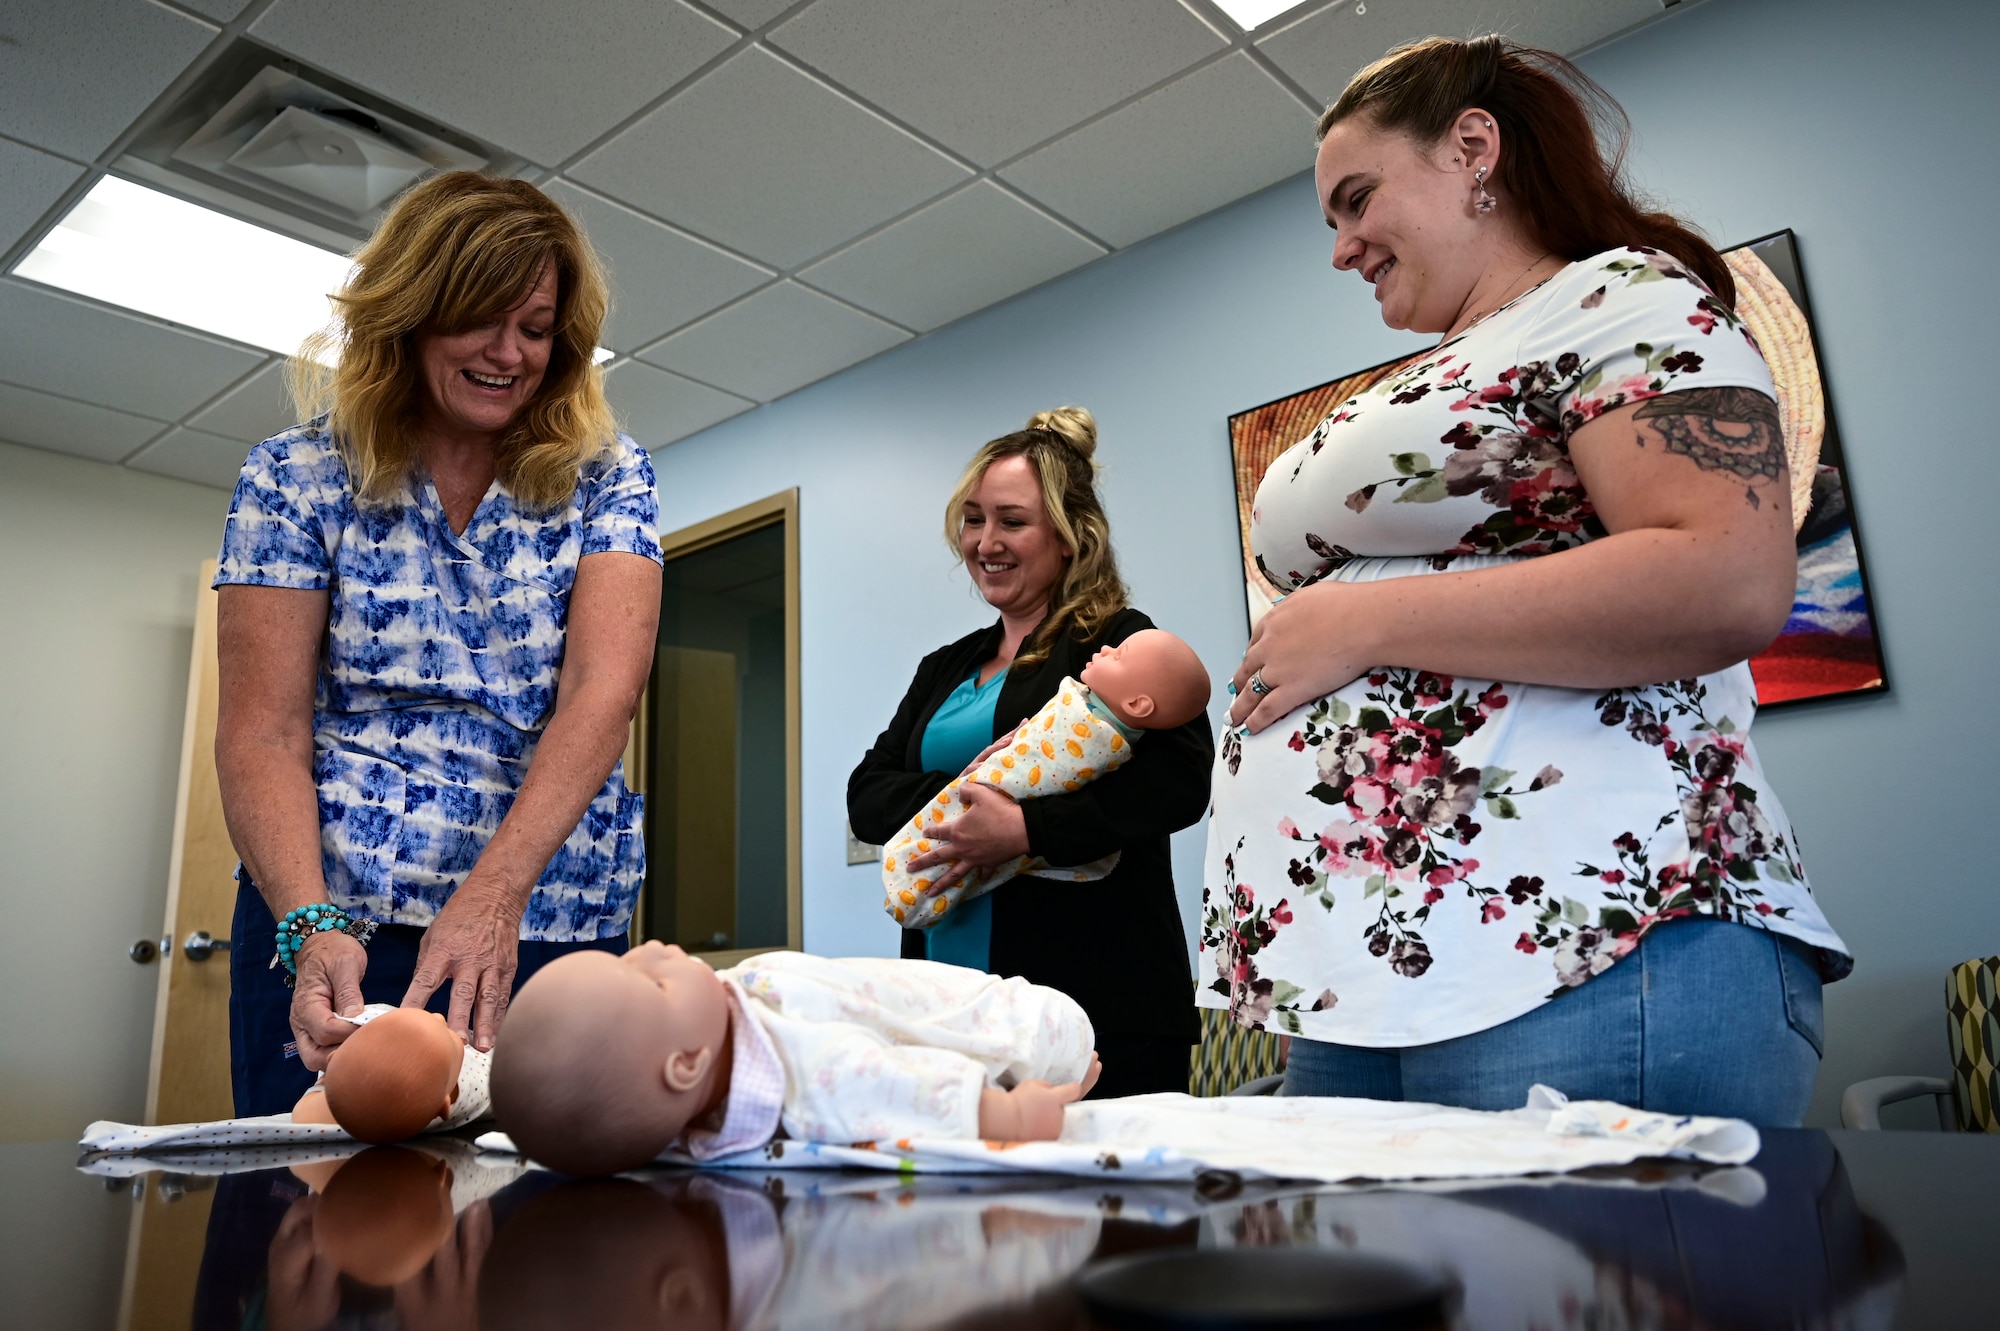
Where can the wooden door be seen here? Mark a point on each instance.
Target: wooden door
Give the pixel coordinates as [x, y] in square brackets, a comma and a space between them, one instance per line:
[189, 1075]
[692, 798]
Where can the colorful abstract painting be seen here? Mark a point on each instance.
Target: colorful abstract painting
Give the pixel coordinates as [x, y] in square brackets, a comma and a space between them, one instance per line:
[1829, 646]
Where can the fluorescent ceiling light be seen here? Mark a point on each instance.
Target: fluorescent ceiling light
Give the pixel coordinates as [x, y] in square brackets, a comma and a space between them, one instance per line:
[142, 250]
[1249, 13]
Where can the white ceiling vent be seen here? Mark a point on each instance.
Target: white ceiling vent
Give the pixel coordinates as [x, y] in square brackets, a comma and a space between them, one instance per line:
[333, 160]
[286, 134]
[265, 138]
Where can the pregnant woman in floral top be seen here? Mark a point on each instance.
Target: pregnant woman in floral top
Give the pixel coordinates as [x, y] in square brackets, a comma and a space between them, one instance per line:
[1487, 813]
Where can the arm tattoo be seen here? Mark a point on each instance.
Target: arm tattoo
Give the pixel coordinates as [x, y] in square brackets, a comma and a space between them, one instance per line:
[1732, 430]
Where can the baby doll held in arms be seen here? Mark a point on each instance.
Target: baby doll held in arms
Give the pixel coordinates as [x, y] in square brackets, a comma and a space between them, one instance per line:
[605, 1062]
[1150, 681]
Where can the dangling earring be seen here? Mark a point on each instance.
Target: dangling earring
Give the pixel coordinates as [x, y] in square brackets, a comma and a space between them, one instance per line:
[1481, 200]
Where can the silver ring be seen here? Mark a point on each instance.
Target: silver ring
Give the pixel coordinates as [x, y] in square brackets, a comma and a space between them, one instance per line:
[1257, 684]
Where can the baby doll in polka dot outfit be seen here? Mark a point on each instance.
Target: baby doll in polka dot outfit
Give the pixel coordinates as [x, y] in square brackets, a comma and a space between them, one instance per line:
[1150, 681]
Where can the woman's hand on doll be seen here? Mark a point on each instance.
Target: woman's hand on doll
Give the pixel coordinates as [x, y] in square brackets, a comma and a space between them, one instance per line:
[1305, 647]
[327, 988]
[475, 944]
[991, 831]
[1029, 1112]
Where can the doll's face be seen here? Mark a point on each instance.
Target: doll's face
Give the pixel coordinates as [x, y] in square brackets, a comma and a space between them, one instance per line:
[1152, 680]
[692, 1001]
[684, 1000]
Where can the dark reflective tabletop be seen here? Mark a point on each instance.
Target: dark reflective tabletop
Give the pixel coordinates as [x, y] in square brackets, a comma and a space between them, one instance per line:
[1841, 1229]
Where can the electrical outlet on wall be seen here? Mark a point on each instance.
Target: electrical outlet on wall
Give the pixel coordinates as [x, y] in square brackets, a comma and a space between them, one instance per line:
[860, 852]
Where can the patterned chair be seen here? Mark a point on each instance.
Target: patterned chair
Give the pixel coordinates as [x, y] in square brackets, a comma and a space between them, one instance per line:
[1970, 1101]
[1232, 1059]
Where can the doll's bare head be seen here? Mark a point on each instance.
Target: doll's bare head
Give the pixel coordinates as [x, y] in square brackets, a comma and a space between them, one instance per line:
[389, 1079]
[603, 1061]
[1152, 680]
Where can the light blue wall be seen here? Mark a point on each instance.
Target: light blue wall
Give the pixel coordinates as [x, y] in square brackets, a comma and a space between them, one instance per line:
[1868, 130]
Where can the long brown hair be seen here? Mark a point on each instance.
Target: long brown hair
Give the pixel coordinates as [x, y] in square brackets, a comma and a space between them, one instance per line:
[455, 251]
[1058, 445]
[1555, 127]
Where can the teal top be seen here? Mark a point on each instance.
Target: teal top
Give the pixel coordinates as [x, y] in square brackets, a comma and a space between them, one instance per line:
[958, 731]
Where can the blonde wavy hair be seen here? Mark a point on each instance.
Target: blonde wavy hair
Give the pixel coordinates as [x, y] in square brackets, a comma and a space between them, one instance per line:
[455, 251]
[1059, 445]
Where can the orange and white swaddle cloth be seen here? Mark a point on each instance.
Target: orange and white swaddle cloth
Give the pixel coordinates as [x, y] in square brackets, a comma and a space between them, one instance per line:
[1070, 741]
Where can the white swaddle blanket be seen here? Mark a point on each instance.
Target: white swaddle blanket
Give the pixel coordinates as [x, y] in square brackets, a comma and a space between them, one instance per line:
[1057, 749]
[474, 1102]
[1174, 1136]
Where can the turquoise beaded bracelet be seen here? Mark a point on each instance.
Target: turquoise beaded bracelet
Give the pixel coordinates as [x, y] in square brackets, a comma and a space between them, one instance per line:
[302, 922]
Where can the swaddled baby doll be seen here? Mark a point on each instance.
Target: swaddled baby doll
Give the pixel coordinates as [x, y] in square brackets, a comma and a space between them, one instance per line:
[403, 1072]
[604, 1061]
[1150, 681]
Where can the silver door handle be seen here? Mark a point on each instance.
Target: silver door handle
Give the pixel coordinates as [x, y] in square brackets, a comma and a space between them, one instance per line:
[200, 944]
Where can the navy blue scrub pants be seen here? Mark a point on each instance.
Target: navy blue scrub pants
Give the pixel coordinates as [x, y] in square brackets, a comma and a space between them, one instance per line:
[264, 1067]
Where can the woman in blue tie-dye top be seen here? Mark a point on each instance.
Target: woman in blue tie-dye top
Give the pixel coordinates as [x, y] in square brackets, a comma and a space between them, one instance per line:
[404, 581]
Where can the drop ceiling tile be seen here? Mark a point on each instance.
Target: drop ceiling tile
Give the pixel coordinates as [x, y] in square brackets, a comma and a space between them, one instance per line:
[542, 79]
[60, 425]
[1200, 142]
[194, 455]
[781, 338]
[81, 351]
[993, 79]
[254, 411]
[751, 13]
[657, 407]
[776, 164]
[74, 74]
[962, 253]
[1323, 50]
[660, 278]
[35, 181]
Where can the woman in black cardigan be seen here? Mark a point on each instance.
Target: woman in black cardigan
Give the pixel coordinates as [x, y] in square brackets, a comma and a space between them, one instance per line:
[1027, 522]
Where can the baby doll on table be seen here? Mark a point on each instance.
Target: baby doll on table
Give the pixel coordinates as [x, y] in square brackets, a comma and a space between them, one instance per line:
[1150, 681]
[604, 1062]
[403, 1072]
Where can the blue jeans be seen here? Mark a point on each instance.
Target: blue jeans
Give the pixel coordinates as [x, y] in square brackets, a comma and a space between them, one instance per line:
[265, 1074]
[1703, 1017]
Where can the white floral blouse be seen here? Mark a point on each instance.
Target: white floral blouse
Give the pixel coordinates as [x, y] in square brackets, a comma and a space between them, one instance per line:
[1417, 857]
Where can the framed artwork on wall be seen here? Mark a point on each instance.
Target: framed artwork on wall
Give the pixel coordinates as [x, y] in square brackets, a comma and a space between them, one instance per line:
[1829, 646]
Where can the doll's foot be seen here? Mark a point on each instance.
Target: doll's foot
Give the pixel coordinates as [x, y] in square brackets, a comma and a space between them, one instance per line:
[1030, 1112]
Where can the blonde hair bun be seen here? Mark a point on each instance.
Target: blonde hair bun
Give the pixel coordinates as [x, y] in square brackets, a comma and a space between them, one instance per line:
[1074, 425]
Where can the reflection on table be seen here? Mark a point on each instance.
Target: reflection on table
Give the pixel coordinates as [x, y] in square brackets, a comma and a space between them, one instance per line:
[440, 1236]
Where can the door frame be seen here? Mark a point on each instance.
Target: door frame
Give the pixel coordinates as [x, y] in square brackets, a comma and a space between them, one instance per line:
[782, 507]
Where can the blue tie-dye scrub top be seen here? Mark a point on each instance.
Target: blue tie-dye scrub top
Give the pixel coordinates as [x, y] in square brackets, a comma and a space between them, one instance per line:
[439, 671]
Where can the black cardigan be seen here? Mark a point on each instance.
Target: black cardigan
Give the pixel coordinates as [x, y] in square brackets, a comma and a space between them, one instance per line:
[1114, 945]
